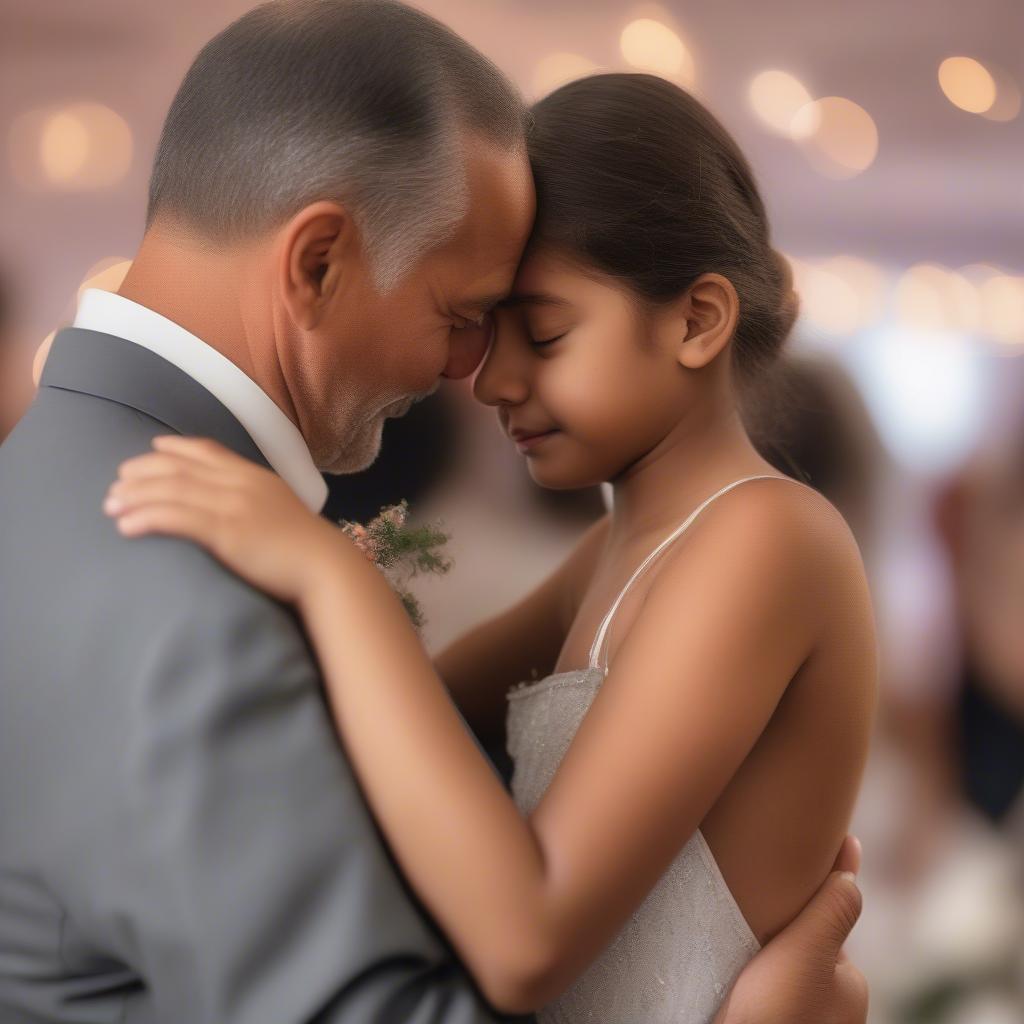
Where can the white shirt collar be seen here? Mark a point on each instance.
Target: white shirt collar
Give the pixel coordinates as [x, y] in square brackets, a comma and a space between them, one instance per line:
[275, 435]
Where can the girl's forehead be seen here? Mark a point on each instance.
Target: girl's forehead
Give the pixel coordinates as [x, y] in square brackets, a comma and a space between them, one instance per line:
[536, 269]
[550, 278]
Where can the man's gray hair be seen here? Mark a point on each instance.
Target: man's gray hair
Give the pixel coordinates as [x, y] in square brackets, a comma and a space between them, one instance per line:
[364, 102]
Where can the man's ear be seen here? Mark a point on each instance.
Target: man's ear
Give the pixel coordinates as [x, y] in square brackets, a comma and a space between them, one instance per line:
[317, 251]
[710, 309]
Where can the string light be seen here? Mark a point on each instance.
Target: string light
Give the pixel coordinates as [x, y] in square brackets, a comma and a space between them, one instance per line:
[107, 275]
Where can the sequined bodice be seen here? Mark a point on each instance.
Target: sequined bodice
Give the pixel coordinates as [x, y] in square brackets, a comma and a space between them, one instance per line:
[677, 956]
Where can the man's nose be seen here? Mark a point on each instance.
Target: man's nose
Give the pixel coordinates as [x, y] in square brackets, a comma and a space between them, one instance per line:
[468, 347]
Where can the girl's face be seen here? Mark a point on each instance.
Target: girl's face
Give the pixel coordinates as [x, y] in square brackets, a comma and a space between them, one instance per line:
[574, 360]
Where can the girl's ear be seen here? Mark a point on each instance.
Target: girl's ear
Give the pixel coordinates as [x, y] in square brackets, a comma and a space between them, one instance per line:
[710, 310]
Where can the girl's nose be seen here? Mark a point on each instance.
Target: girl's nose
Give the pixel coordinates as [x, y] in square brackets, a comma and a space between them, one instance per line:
[503, 377]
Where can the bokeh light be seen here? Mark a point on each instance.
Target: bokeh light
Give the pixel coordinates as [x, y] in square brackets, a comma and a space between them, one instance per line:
[1002, 308]
[827, 302]
[963, 303]
[39, 359]
[867, 280]
[777, 97]
[77, 147]
[106, 274]
[922, 298]
[967, 84]
[978, 299]
[652, 46]
[838, 136]
[63, 147]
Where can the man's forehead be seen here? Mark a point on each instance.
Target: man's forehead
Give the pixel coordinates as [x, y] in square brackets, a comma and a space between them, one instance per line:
[484, 289]
[502, 201]
[482, 256]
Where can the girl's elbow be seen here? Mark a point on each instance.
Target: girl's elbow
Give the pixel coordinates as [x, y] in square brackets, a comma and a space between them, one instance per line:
[522, 981]
[515, 995]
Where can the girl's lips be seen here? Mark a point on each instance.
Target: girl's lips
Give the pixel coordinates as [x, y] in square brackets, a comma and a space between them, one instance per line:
[526, 443]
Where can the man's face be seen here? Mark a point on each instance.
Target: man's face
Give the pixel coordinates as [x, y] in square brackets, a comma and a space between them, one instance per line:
[374, 354]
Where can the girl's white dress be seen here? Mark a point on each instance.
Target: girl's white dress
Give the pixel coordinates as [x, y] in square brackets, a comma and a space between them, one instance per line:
[678, 955]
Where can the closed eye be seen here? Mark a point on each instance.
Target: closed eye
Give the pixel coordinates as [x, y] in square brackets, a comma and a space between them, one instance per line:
[541, 342]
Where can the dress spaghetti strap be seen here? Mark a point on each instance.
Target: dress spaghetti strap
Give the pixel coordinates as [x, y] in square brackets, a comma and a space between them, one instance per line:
[602, 633]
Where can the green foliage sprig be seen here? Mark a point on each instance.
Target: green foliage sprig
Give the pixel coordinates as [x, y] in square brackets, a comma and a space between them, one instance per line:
[401, 552]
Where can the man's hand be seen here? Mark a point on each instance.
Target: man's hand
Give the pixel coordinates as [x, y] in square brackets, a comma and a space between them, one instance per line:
[803, 976]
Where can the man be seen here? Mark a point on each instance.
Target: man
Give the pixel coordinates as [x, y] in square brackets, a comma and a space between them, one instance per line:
[340, 193]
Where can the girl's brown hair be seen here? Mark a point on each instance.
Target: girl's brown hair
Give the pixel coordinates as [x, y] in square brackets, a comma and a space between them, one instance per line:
[640, 181]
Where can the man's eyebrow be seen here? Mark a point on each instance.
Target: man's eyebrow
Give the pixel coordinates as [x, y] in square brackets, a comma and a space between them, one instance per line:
[531, 299]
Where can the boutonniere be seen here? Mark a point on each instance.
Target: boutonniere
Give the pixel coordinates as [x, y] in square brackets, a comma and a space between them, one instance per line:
[400, 551]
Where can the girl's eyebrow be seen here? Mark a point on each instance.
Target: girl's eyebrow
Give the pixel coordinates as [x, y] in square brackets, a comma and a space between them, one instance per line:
[532, 299]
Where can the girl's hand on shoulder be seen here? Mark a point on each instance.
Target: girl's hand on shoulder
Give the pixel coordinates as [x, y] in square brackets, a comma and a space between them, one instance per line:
[243, 514]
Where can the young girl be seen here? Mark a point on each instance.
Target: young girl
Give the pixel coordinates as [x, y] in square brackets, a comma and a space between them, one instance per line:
[687, 761]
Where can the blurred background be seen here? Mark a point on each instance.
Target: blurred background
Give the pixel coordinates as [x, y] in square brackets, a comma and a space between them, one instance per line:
[888, 140]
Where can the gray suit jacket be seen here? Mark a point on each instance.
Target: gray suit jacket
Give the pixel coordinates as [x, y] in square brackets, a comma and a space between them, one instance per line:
[181, 836]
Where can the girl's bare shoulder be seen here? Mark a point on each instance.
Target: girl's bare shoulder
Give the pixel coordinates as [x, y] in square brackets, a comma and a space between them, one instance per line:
[816, 544]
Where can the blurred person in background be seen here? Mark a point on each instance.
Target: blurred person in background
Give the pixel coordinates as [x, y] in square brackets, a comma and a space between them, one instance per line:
[812, 423]
[981, 521]
[946, 784]
[971, 738]
[948, 753]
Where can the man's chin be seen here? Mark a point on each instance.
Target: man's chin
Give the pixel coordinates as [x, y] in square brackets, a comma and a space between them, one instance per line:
[358, 454]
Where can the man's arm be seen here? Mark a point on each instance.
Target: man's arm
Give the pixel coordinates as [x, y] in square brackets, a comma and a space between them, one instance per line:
[256, 887]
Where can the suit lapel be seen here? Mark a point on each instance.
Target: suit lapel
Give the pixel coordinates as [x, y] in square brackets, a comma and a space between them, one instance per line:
[117, 370]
